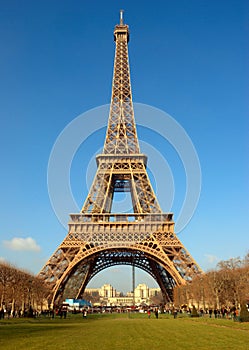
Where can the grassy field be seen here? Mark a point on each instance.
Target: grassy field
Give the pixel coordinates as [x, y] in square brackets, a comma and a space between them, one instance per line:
[123, 331]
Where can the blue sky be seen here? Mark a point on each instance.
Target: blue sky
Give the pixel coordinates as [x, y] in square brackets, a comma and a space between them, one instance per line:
[187, 58]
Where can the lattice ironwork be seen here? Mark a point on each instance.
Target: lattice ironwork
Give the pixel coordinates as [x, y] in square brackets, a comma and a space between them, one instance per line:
[121, 135]
[97, 238]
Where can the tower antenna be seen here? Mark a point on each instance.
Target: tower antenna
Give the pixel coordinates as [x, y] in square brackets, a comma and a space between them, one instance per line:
[121, 17]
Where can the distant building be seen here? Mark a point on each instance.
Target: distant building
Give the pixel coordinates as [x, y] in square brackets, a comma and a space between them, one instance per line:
[154, 292]
[106, 291]
[110, 296]
[142, 294]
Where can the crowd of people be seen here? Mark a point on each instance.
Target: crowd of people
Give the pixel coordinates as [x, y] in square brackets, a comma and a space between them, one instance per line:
[224, 312]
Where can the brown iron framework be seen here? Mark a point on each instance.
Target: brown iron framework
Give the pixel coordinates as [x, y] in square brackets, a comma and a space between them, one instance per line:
[98, 238]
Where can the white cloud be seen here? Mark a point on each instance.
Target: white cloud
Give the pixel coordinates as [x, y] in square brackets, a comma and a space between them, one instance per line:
[21, 244]
[211, 258]
[2, 259]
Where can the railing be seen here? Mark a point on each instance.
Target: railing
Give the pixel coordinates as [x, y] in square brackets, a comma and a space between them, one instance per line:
[126, 218]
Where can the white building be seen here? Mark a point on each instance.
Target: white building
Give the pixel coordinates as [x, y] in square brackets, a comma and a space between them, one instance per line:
[109, 295]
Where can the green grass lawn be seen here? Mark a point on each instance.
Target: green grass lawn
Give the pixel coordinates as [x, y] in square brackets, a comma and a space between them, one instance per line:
[123, 331]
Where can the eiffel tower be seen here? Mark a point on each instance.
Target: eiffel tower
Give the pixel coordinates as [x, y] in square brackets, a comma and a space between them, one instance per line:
[98, 238]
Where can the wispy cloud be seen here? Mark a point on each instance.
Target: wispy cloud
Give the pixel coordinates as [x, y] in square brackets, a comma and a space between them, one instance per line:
[116, 270]
[22, 244]
[212, 259]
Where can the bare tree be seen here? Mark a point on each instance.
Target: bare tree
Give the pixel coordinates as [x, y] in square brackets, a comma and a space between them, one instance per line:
[157, 299]
[225, 286]
[6, 278]
[20, 290]
[93, 297]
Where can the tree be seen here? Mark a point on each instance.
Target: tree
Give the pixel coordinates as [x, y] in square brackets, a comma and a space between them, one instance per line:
[157, 299]
[194, 312]
[93, 297]
[6, 281]
[244, 313]
[20, 290]
[227, 286]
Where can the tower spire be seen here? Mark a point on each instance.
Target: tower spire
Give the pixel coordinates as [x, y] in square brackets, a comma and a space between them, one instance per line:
[121, 17]
[121, 136]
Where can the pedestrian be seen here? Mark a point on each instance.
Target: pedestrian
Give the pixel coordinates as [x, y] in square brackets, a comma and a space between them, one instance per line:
[156, 312]
[64, 311]
[1, 313]
[236, 315]
[148, 313]
[84, 313]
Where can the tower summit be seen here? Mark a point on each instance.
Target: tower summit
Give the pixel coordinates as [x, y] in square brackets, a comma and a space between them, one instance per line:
[98, 238]
[121, 136]
[121, 16]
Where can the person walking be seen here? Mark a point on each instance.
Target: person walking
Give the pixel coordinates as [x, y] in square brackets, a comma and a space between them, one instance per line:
[84, 314]
[148, 313]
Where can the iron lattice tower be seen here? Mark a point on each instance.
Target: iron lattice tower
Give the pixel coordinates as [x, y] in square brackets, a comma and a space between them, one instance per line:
[97, 238]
